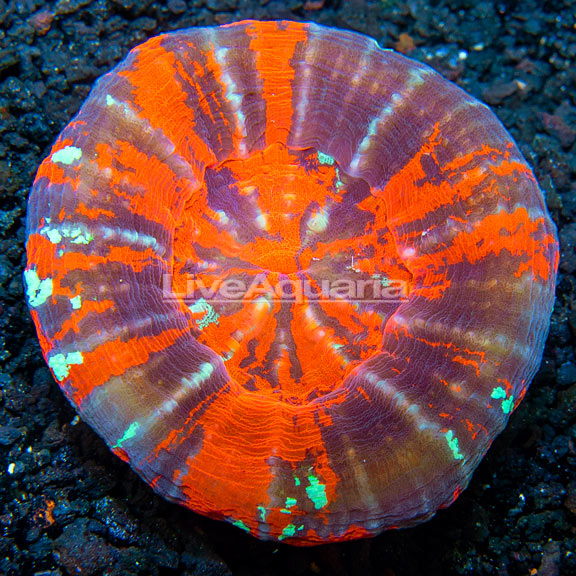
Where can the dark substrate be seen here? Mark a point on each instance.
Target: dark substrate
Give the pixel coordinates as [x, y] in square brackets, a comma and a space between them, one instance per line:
[68, 506]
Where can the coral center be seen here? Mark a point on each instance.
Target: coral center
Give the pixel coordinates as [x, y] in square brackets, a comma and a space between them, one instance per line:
[288, 269]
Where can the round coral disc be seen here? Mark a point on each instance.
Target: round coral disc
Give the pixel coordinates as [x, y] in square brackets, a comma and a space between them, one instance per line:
[298, 282]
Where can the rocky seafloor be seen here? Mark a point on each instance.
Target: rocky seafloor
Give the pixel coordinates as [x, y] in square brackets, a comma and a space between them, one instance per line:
[69, 507]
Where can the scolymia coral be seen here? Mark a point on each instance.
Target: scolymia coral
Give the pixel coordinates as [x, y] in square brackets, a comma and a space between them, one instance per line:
[298, 282]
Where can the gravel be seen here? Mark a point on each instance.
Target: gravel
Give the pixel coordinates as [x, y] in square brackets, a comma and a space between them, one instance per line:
[68, 506]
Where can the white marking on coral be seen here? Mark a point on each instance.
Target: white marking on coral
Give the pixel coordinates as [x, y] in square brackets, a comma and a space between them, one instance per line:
[262, 221]
[132, 238]
[233, 96]
[318, 222]
[124, 108]
[77, 233]
[197, 378]
[222, 217]
[37, 291]
[60, 363]
[402, 404]
[407, 253]
[301, 107]
[416, 78]
[67, 155]
[386, 112]
[193, 382]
